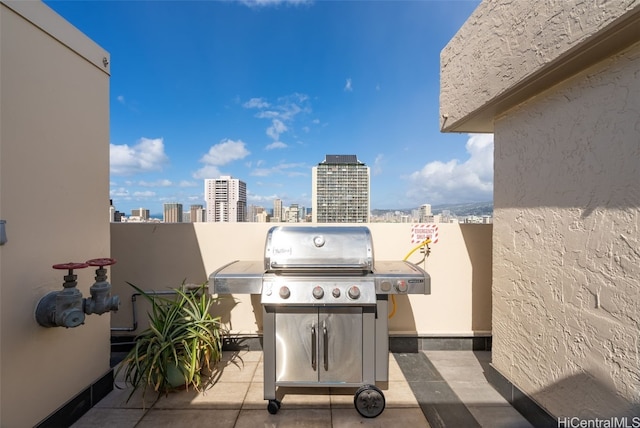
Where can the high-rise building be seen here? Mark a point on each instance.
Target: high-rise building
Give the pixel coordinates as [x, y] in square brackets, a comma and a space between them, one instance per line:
[425, 214]
[277, 210]
[292, 214]
[172, 213]
[197, 213]
[226, 199]
[340, 190]
[253, 213]
[141, 213]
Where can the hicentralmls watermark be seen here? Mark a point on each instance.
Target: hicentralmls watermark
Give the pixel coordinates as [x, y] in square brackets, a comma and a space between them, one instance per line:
[613, 422]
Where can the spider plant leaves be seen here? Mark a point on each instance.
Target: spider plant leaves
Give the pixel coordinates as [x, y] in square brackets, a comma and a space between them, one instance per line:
[183, 340]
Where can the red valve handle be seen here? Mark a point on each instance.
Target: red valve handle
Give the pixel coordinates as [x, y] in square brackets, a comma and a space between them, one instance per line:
[101, 262]
[70, 266]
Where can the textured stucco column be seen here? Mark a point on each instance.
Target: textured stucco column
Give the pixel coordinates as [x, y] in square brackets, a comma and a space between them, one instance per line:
[567, 243]
[557, 83]
[508, 51]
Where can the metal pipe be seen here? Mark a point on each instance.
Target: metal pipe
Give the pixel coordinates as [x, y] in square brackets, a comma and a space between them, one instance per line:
[133, 308]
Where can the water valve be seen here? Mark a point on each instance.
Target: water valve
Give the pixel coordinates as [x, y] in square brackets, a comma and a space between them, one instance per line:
[67, 308]
[63, 308]
[101, 300]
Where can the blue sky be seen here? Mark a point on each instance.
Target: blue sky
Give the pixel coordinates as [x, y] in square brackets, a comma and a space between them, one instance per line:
[263, 90]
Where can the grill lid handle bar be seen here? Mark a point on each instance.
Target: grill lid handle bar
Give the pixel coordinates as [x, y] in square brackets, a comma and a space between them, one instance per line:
[322, 266]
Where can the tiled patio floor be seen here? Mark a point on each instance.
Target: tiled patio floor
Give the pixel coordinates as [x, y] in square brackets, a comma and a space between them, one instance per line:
[236, 400]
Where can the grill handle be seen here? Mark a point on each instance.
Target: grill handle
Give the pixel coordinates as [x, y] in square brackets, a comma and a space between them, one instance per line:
[325, 337]
[313, 346]
[321, 266]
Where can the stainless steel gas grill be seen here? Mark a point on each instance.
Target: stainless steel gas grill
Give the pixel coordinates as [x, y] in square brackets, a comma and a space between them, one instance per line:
[325, 309]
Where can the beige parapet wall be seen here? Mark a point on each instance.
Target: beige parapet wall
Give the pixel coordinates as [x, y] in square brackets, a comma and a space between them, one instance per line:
[161, 256]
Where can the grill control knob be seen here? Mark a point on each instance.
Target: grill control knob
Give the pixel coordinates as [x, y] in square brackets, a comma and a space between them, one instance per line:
[401, 286]
[318, 292]
[354, 292]
[336, 292]
[385, 286]
[285, 292]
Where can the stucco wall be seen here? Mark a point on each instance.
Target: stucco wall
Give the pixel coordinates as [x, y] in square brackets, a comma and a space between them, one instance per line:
[566, 315]
[557, 83]
[54, 196]
[160, 256]
[508, 51]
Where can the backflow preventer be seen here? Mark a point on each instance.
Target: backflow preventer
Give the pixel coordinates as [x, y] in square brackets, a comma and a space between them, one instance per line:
[67, 307]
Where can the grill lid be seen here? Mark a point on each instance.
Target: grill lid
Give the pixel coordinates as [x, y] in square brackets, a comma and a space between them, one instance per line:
[328, 249]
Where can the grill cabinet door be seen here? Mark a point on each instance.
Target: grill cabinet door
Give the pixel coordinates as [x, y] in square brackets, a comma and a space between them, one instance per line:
[319, 345]
[296, 344]
[340, 345]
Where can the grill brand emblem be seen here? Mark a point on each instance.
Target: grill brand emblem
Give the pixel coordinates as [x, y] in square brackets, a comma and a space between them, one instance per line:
[282, 251]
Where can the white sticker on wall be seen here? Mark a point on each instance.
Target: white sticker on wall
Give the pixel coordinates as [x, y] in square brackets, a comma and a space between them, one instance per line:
[420, 232]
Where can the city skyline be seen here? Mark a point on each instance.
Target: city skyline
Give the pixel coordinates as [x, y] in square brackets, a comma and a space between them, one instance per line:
[461, 211]
[262, 91]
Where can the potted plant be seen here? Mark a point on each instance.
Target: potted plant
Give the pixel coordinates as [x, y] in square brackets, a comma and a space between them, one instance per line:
[181, 344]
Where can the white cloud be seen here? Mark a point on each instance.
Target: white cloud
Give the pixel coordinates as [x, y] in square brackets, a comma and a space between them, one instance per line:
[377, 164]
[277, 127]
[282, 115]
[266, 3]
[453, 181]
[348, 87]
[145, 194]
[225, 152]
[146, 155]
[120, 192]
[288, 169]
[256, 103]
[261, 172]
[185, 183]
[207, 171]
[285, 109]
[157, 183]
[263, 199]
[221, 154]
[120, 99]
[276, 145]
[267, 114]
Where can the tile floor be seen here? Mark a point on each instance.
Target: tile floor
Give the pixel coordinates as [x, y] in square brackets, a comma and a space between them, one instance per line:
[236, 401]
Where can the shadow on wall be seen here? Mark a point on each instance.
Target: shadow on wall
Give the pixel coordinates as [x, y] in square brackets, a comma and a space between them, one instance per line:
[481, 258]
[222, 307]
[403, 315]
[142, 252]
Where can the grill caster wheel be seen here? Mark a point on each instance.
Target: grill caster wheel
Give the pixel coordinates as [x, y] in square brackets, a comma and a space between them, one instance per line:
[273, 406]
[369, 401]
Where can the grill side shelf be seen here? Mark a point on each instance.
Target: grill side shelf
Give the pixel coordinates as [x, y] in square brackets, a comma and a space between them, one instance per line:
[414, 279]
[238, 277]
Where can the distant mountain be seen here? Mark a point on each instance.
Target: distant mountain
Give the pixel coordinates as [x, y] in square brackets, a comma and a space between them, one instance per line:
[461, 210]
